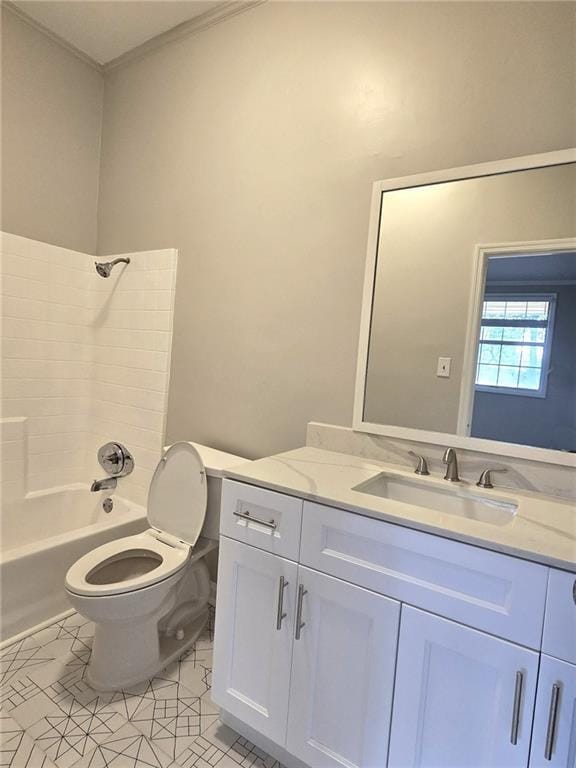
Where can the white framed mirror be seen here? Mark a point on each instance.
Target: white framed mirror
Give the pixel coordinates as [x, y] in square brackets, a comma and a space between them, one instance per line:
[468, 329]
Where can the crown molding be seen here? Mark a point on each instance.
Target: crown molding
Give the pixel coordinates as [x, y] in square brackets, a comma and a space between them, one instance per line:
[10, 6]
[192, 26]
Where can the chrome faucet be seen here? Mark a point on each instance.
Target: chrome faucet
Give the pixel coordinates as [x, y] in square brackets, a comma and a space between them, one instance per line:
[117, 461]
[104, 485]
[451, 462]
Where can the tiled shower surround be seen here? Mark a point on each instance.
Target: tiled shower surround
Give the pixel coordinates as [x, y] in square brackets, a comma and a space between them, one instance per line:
[85, 360]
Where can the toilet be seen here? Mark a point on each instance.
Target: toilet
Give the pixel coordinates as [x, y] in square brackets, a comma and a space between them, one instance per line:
[147, 594]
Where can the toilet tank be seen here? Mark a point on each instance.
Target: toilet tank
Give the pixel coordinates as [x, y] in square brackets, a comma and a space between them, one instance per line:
[215, 462]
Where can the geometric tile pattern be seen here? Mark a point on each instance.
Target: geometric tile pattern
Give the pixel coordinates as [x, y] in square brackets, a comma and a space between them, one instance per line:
[17, 749]
[221, 747]
[51, 718]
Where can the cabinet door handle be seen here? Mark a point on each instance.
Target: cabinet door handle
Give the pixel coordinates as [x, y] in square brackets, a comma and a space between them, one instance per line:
[552, 719]
[516, 708]
[282, 584]
[299, 623]
[267, 523]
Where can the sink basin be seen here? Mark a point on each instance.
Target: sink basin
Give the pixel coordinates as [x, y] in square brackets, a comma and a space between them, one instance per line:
[452, 500]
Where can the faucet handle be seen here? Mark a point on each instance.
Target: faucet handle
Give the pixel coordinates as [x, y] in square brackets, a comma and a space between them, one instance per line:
[422, 467]
[485, 480]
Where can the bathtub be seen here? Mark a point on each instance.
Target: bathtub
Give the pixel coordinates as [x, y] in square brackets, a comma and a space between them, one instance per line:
[41, 537]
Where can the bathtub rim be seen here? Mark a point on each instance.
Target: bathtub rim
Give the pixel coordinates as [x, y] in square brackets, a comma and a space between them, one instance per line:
[133, 512]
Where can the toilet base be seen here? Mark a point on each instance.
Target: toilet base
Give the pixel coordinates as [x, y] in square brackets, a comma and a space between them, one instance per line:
[170, 649]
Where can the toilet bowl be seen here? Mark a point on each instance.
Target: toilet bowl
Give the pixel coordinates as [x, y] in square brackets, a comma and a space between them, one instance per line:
[147, 594]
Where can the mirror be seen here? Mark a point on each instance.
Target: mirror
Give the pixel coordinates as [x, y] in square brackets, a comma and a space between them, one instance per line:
[469, 314]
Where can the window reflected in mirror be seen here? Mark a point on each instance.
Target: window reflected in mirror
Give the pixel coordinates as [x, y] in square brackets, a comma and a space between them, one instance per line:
[525, 374]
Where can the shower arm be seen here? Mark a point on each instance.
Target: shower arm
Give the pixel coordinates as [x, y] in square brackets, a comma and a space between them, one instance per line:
[104, 268]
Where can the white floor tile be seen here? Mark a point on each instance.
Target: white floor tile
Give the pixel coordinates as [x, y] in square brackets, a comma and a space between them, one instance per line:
[66, 735]
[125, 750]
[17, 748]
[174, 724]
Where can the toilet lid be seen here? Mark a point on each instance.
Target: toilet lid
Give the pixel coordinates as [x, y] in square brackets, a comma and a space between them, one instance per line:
[178, 494]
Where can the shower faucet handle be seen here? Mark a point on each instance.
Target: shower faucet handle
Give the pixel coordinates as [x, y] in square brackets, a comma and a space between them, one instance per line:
[115, 459]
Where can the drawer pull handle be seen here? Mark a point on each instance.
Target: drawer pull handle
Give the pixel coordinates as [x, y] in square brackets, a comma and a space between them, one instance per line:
[267, 523]
[516, 708]
[299, 623]
[552, 719]
[282, 584]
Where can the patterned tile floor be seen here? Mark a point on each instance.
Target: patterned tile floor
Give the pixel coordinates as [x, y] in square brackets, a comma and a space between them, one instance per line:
[51, 718]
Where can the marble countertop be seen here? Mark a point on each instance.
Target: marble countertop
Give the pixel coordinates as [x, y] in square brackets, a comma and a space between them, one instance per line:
[543, 529]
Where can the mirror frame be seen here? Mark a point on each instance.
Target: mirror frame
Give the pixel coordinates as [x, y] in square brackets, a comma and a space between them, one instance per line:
[459, 440]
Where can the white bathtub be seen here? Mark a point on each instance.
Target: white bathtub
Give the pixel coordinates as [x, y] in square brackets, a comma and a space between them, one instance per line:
[41, 537]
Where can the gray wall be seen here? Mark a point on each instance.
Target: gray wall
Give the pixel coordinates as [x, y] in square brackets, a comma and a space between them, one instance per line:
[548, 422]
[252, 148]
[51, 122]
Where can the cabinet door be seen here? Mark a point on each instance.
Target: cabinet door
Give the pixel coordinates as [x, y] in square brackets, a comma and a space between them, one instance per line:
[462, 698]
[342, 674]
[554, 735]
[254, 636]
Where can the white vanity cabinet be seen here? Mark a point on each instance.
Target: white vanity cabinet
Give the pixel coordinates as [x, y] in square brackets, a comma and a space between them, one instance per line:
[554, 737]
[305, 659]
[288, 634]
[350, 641]
[342, 673]
[254, 636]
[462, 698]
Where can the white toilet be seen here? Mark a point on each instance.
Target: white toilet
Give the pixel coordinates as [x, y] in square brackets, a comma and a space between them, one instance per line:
[148, 594]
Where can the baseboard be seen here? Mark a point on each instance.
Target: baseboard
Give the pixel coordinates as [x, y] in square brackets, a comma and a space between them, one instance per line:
[36, 628]
[273, 749]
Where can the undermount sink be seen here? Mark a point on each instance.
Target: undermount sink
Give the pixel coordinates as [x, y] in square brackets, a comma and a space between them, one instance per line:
[452, 500]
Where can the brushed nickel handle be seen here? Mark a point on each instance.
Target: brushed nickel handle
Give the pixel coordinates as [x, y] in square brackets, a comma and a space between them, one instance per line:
[422, 466]
[516, 708]
[267, 523]
[299, 623]
[282, 584]
[552, 720]
[485, 480]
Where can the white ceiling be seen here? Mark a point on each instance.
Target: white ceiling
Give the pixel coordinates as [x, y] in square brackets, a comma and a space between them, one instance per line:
[105, 29]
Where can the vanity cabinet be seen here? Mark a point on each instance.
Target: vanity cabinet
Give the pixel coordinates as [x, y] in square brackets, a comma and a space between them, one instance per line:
[554, 737]
[288, 634]
[350, 641]
[342, 674]
[254, 636]
[462, 698]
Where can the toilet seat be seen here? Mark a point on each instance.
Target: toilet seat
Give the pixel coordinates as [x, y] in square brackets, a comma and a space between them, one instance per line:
[166, 559]
[176, 509]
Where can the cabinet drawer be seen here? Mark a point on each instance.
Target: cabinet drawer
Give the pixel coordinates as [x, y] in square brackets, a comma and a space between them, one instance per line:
[264, 519]
[560, 623]
[496, 593]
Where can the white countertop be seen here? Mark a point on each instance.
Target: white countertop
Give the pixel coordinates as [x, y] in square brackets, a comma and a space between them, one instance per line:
[543, 529]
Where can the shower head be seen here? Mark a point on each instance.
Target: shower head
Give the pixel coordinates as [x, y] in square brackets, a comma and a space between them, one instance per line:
[104, 268]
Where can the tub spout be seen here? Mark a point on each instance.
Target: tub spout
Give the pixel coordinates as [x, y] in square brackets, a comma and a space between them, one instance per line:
[104, 485]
